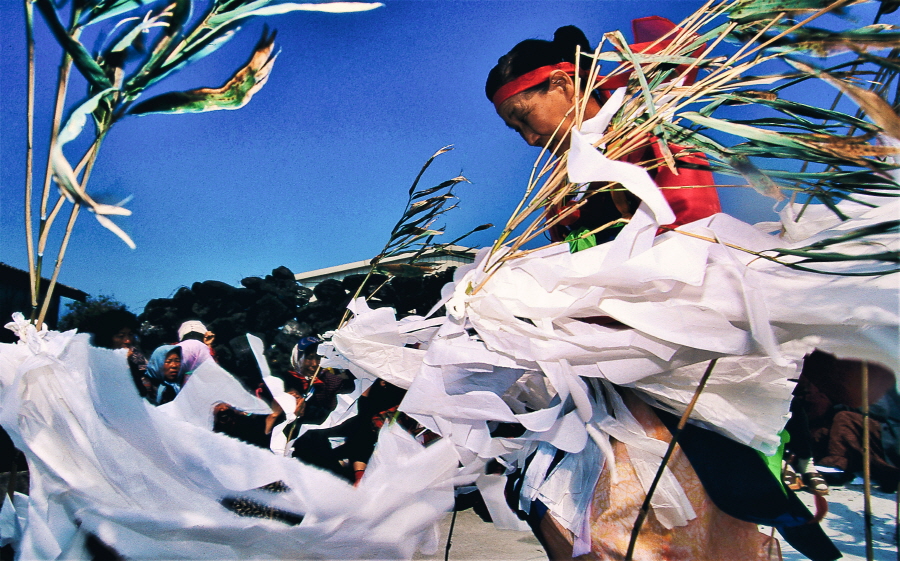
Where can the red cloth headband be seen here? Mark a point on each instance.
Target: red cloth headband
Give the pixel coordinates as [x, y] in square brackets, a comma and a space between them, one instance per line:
[646, 30]
[530, 80]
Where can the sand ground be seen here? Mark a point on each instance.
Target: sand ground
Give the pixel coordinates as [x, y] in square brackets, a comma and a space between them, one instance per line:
[474, 539]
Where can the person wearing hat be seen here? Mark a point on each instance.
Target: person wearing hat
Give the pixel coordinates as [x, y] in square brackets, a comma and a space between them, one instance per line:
[320, 385]
[195, 329]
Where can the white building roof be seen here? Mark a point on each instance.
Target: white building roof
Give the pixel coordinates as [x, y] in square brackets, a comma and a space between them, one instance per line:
[461, 256]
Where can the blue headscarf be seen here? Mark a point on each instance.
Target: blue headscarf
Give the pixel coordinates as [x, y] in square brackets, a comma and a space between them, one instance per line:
[155, 372]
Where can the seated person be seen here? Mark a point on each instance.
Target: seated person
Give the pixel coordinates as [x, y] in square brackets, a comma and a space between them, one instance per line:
[833, 398]
[318, 387]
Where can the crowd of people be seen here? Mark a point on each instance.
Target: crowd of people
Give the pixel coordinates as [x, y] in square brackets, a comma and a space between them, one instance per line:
[343, 449]
[533, 88]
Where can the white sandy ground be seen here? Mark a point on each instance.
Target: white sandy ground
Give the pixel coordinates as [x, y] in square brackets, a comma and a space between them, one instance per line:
[477, 540]
[474, 539]
[845, 526]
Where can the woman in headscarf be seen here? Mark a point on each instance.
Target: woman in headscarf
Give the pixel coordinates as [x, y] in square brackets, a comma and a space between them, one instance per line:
[165, 372]
[193, 354]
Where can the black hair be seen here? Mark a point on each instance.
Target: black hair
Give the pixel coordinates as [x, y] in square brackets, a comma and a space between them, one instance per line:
[531, 54]
[108, 323]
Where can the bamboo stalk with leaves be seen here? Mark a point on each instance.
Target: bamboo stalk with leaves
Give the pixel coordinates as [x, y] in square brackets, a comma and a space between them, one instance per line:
[413, 234]
[145, 42]
[412, 237]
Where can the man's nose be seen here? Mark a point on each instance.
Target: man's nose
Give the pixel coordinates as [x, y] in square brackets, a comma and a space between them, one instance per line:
[532, 138]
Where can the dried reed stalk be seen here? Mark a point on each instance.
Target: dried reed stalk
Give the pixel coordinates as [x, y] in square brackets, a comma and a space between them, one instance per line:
[29, 151]
[645, 507]
[46, 222]
[867, 468]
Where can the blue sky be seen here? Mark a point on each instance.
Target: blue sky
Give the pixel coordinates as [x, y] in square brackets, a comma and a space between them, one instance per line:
[314, 171]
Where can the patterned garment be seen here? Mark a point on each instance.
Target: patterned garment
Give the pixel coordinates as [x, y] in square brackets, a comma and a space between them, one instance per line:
[712, 535]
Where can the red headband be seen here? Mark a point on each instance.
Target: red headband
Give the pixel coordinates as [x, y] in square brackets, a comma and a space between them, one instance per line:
[530, 80]
[657, 28]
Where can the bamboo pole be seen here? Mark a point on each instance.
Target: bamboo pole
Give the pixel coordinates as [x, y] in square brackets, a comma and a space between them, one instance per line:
[45, 223]
[867, 470]
[29, 152]
[450, 536]
[645, 508]
[45, 306]
[88, 161]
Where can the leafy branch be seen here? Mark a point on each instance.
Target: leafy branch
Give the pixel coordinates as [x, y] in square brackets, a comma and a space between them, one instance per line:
[163, 38]
[414, 232]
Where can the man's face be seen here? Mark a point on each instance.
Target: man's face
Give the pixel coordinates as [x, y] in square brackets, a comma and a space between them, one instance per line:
[310, 364]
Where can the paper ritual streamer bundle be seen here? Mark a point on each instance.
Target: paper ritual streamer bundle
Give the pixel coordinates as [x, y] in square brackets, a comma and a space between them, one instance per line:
[540, 341]
[156, 483]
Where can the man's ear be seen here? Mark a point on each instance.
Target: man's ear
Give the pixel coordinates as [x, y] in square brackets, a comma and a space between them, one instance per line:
[562, 81]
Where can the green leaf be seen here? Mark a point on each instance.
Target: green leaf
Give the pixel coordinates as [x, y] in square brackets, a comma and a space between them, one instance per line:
[443, 150]
[154, 68]
[887, 227]
[422, 206]
[888, 6]
[144, 25]
[708, 36]
[754, 10]
[198, 51]
[263, 8]
[417, 232]
[744, 131]
[436, 188]
[760, 182]
[105, 9]
[405, 270]
[881, 113]
[426, 218]
[641, 58]
[444, 246]
[797, 108]
[81, 58]
[233, 94]
[71, 188]
[75, 124]
[114, 228]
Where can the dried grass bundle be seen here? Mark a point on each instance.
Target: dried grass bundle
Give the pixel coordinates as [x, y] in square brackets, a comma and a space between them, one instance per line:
[852, 155]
